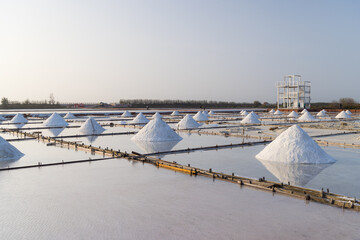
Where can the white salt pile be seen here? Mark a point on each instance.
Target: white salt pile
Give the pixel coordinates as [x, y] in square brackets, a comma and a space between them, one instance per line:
[206, 113]
[254, 114]
[126, 114]
[251, 118]
[18, 118]
[157, 115]
[244, 113]
[307, 117]
[175, 113]
[69, 115]
[91, 126]
[211, 112]
[294, 146]
[156, 131]
[272, 111]
[55, 120]
[304, 111]
[200, 116]
[140, 119]
[342, 115]
[278, 112]
[187, 123]
[293, 114]
[348, 112]
[322, 113]
[8, 152]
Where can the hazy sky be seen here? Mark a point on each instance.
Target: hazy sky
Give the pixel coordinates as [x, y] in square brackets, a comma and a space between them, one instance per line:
[177, 49]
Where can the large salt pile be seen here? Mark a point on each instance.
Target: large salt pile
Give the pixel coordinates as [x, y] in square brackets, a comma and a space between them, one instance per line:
[18, 118]
[126, 114]
[304, 111]
[187, 123]
[200, 116]
[307, 117]
[322, 113]
[140, 119]
[251, 118]
[244, 113]
[348, 112]
[157, 115]
[91, 126]
[278, 112]
[8, 152]
[343, 115]
[55, 120]
[272, 111]
[69, 115]
[156, 131]
[175, 113]
[293, 114]
[294, 146]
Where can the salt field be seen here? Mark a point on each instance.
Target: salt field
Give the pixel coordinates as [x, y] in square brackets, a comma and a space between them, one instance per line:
[120, 194]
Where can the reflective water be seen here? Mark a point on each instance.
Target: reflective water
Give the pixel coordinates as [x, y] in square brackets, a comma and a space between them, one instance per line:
[118, 199]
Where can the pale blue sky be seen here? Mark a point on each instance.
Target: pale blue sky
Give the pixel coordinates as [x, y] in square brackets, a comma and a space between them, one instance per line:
[186, 49]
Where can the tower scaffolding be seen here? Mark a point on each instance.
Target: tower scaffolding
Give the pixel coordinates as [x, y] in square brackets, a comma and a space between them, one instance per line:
[293, 93]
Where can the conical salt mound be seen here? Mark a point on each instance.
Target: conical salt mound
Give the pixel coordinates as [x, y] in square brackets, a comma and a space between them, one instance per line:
[156, 115]
[69, 115]
[244, 113]
[206, 113]
[348, 112]
[343, 115]
[278, 112]
[126, 114]
[251, 118]
[156, 131]
[91, 126]
[200, 116]
[293, 114]
[272, 111]
[211, 112]
[322, 113]
[294, 146]
[187, 123]
[8, 152]
[175, 113]
[140, 119]
[304, 111]
[55, 120]
[306, 117]
[19, 118]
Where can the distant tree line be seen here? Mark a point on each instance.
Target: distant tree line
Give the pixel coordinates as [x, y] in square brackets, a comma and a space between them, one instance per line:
[342, 103]
[168, 103]
[27, 104]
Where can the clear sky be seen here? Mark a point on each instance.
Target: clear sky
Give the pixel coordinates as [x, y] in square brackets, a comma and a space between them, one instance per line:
[177, 49]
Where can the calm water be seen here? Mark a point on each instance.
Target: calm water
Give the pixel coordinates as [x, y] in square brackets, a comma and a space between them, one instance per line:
[118, 199]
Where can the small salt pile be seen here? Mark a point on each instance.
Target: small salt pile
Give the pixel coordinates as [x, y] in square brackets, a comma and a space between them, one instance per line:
[206, 113]
[272, 111]
[348, 112]
[307, 117]
[55, 120]
[156, 131]
[304, 111]
[175, 113]
[293, 114]
[187, 122]
[69, 115]
[278, 112]
[156, 115]
[251, 118]
[322, 113]
[200, 116]
[294, 146]
[244, 113]
[342, 115]
[126, 114]
[140, 119]
[91, 126]
[211, 112]
[18, 118]
[8, 152]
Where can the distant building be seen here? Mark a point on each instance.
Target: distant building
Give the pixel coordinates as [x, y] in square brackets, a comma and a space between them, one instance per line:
[293, 93]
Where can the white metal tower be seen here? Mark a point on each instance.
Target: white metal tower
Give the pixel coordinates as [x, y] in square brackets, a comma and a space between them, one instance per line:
[293, 93]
